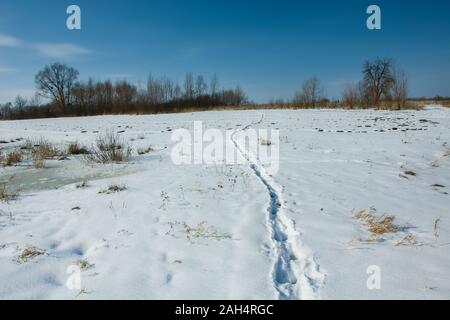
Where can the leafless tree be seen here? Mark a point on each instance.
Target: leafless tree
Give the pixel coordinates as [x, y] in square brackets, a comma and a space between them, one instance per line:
[214, 85]
[154, 91]
[20, 102]
[310, 94]
[6, 110]
[36, 100]
[167, 89]
[189, 86]
[378, 79]
[233, 97]
[200, 86]
[399, 88]
[125, 96]
[351, 96]
[56, 82]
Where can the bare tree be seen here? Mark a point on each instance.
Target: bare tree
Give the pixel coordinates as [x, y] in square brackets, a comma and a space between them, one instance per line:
[310, 94]
[399, 88]
[6, 110]
[200, 86]
[189, 86]
[351, 96]
[20, 102]
[36, 100]
[56, 82]
[240, 96]
[125, 96]
[167, 89]
[214, 85]
[154, 91]
[378, 79]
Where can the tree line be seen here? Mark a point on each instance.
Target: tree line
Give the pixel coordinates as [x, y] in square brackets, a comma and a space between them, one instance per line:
[58, 83]
[383, 85]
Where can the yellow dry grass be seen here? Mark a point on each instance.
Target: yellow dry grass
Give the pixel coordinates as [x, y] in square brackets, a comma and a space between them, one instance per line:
[12, 158]
[382, 225]
[408, 240]
[42, 151]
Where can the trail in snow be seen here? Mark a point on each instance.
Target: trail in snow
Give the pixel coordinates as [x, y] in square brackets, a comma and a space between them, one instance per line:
[295, 273]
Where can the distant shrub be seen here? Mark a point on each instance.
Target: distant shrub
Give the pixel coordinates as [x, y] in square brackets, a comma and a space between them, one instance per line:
[114, 188]
[76, 149]
[28, 145]
[12, 158]
[109, 148]
[142, 151]
[43, 150]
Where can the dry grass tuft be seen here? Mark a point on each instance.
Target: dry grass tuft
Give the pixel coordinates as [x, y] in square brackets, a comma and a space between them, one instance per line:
[406, 241]
[382, 225]
[7, 195]
[366, 215]
[142, 151]
[84, 265]
[28, 145]
[109, 148]
[43, 150]
[29, 253]
[114, 188]
[76, 149]
[12, 158]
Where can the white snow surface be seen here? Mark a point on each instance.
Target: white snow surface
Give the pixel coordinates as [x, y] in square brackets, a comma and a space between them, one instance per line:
[234, 231]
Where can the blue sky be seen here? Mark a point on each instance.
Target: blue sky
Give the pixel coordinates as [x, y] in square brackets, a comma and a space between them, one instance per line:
[268, 47]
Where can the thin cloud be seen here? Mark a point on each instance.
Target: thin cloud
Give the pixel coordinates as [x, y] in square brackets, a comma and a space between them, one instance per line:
[60, 50]
[8, 41]
[6, 70]
[49, 49]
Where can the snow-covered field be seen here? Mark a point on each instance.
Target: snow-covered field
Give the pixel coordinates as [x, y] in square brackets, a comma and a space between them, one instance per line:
[229, 231]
